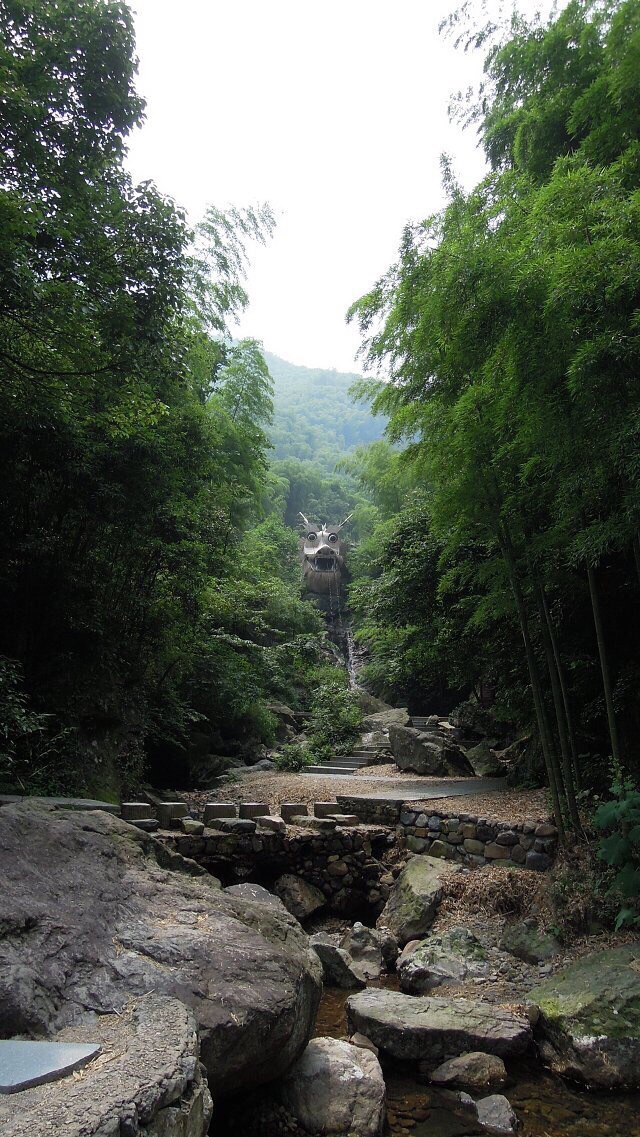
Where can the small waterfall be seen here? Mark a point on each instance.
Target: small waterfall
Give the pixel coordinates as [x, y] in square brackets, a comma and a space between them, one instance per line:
[354, 663]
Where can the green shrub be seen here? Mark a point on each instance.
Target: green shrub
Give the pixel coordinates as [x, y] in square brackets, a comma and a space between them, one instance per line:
[621, 847]
[293, 758]
[336, 719]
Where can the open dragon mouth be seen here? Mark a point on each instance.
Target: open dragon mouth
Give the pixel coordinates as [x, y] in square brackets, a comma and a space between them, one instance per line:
[324, 562]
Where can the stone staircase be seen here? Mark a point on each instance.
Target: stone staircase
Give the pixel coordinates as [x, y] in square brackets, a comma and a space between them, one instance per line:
[419, 722]
[345, 764]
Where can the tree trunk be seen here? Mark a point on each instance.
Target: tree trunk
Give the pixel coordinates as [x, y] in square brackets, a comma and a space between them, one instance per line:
[636, 554]
[577, 777]
[550, 759]
[604, 667]
[558, 705]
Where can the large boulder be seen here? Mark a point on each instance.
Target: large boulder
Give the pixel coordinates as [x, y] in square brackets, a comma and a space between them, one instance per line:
[95, 912]
[412, 1028]
[590, 1019]
[146, 1083]
[336, 1088]
[430, 752]
[452, 957]
[299, 897]
[383, 720]
[414, 898]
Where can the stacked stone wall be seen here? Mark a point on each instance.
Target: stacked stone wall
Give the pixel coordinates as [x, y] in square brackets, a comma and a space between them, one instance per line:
[345, 863]
[465, 837]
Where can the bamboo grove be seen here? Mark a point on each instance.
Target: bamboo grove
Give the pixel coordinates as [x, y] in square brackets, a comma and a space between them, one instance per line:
[509, 330]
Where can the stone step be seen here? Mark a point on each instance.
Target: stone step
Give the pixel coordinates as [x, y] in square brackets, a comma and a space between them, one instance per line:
[330, 769]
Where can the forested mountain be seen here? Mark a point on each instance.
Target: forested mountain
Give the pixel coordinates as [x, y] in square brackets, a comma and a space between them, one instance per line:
[315, 417]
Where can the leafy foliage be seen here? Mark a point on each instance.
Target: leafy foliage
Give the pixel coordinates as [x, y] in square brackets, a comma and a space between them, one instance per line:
[336, 718]
[509, 330]
[139, 607]
[621, 847]
[293, 758]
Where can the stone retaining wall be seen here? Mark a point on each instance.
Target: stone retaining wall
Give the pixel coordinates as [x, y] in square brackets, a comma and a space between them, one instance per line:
[344, 864]
[464, 837]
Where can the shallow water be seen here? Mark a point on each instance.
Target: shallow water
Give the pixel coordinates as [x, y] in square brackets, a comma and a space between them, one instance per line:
[545, 1105]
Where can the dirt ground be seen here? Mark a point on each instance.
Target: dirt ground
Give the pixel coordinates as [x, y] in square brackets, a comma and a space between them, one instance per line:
[275, 787]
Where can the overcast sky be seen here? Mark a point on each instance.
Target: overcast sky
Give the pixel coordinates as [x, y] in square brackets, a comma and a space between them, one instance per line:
[334, 113]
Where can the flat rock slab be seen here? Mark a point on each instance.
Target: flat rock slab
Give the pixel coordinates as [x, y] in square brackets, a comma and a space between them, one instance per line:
[25, 1064]
[81, 803]
[412, 1028]
[147, 1072]
[146, 1080]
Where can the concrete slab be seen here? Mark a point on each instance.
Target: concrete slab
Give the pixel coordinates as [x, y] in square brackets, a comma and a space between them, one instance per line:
[426, 789]
[25, 1064]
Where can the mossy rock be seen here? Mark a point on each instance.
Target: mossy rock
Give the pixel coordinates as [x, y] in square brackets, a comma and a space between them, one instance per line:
[590, 1019]
[528, 944]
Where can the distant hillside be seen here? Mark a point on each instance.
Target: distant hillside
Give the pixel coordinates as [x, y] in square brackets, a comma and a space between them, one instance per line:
[315, 418]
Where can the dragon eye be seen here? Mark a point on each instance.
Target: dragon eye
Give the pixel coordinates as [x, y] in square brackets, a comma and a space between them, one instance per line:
[333, 537]
[312, 536]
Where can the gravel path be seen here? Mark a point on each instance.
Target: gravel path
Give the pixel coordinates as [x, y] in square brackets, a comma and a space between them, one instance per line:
[275, 787]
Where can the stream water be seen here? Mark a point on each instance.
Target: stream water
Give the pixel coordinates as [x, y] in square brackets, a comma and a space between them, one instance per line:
[546, 1105]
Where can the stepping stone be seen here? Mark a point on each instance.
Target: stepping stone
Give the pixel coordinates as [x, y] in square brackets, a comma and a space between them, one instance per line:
[345, 819]
[219, 809]
[325, 808]
[170, 813]
[254, 809]
[288, 810]
[25, 1064]
[135, 810]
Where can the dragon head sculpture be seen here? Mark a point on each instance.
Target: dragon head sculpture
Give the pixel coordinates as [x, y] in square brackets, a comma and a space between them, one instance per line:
[322, 555]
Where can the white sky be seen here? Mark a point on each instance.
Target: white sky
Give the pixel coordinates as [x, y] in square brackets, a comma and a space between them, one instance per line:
[334, 113]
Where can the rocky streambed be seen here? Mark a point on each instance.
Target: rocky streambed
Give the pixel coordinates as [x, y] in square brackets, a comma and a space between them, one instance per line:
[209, 1002]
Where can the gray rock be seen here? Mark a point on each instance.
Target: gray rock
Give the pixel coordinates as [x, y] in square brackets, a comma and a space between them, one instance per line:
[452, 957]
[590, 1018]
[414, 898]
[337, 966]
[95, 913]
[264, 764]
[388, 946]
[528, 944]
[427, 753]
[363, 945]
[256, 893]
[151, 1083]
[483, 761]
[476, 1071]
[336, 1088]
[383, 720]
[298, 896]
[496, 1115]
[412, 1028]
